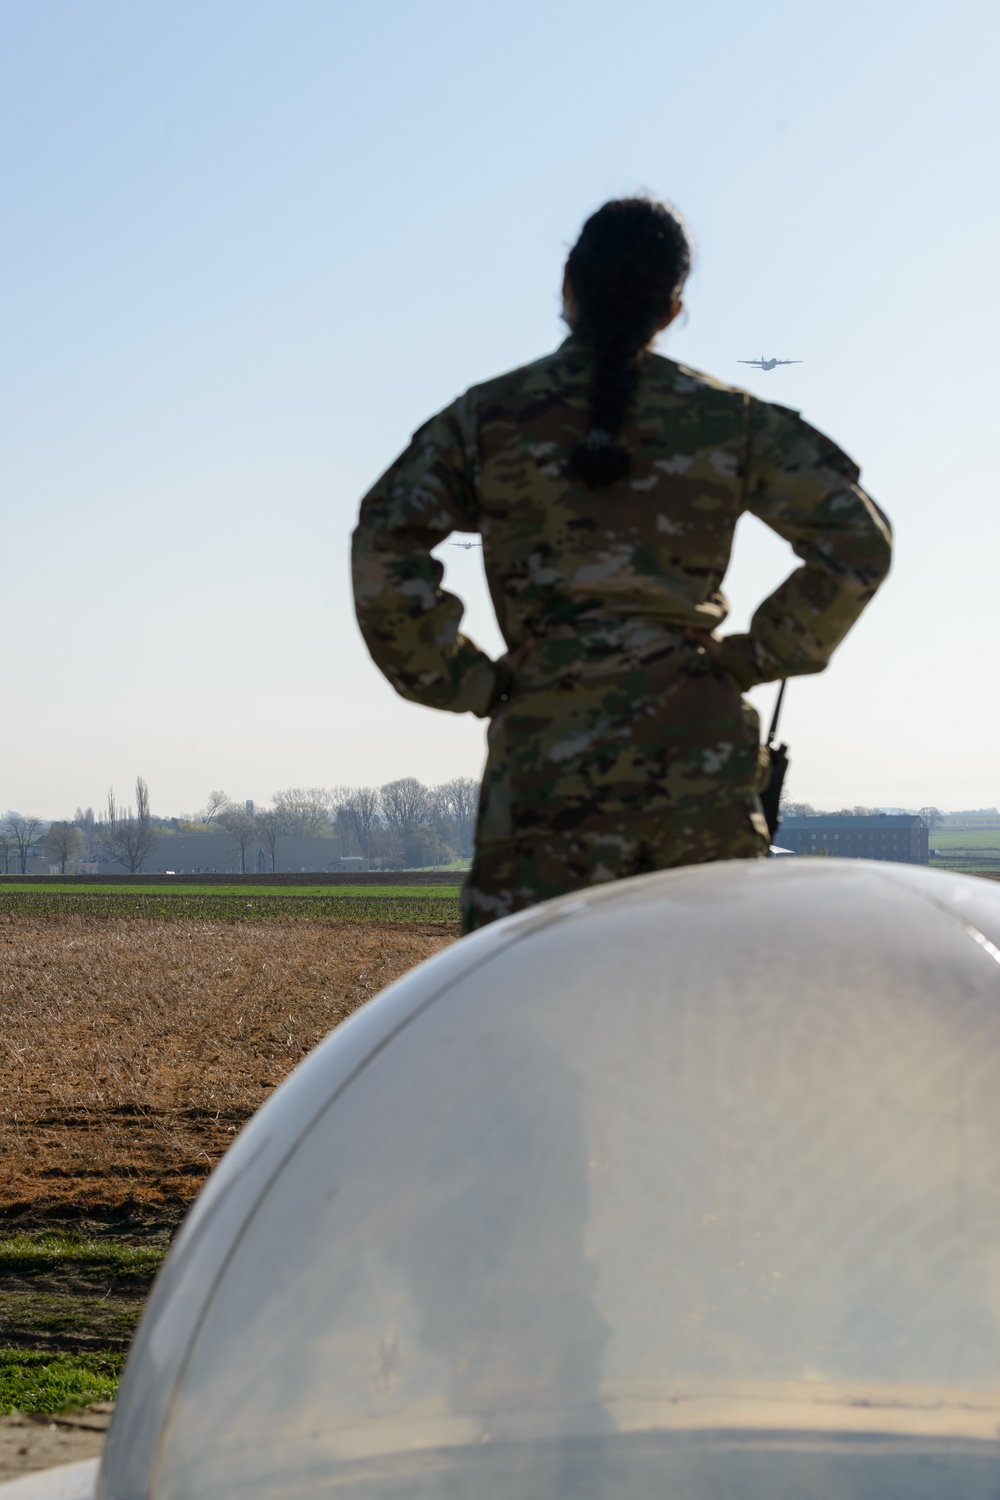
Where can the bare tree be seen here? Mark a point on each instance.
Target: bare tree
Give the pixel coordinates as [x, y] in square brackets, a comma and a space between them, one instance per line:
[386, 848]
[304, 811]
[63, 842]
[359, 806]
[22, 830]
[216, 804]
[407, 807]
[269, 828]
[241, 826]
[933, 817]
[129, 836]
[404, 804]
[86, 822]
[7, 847]
[458, 799]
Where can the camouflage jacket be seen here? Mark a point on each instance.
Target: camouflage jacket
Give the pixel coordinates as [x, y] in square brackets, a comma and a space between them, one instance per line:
[646, 554]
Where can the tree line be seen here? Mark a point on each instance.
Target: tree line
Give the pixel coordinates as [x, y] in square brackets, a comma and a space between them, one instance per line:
[400, 824]
[932, 816]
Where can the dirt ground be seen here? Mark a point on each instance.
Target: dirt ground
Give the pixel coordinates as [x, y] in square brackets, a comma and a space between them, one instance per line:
[31, 1443]
[133, 1050]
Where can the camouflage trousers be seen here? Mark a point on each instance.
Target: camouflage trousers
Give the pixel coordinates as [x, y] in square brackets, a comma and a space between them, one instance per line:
[614, 769]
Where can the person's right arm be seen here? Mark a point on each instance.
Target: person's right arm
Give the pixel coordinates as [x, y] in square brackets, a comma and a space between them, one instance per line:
[801, 485]
[409, 622]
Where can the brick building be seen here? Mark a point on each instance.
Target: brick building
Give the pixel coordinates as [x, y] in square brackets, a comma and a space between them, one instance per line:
[901, 837]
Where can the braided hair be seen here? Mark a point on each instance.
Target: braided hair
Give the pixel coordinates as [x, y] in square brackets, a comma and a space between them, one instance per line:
[622, 275]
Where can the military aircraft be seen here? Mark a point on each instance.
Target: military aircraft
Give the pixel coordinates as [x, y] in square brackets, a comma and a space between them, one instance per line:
[768, 364]
[467, 545]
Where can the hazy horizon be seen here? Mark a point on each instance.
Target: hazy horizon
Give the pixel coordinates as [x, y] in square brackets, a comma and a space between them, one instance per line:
[124, 799]
[250, 247]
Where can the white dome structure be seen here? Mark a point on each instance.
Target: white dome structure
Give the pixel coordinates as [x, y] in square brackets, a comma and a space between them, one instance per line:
[686, 1186]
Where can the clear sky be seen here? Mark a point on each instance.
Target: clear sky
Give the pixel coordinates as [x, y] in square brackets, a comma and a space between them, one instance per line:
[249, 245]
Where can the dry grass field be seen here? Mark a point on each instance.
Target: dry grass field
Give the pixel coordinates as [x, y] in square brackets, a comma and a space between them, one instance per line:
[133, 1050]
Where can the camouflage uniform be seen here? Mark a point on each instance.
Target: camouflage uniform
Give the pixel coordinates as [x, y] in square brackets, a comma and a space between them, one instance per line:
[621, 745]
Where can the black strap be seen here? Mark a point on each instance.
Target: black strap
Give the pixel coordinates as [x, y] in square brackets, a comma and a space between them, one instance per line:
[770, 797]
[777, 711]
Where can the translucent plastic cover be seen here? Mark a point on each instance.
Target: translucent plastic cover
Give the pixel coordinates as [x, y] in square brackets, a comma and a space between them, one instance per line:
[689, 1186]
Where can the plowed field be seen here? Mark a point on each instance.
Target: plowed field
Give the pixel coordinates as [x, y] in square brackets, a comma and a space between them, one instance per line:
[134, 1049]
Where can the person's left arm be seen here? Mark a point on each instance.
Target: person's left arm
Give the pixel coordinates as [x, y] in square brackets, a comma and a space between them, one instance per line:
[801, 485]
[409, 623]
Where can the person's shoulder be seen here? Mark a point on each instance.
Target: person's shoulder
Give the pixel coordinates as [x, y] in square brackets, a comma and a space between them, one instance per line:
[571, 360]
[546, 373]
[790, 436]
[458, 421]
[671, 379]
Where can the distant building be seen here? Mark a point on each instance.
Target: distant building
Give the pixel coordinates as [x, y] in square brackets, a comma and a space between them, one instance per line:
[218, 854]
[901, 837]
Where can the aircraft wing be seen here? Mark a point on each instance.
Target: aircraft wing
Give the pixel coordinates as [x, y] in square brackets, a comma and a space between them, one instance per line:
[750, 362]
[788, 361]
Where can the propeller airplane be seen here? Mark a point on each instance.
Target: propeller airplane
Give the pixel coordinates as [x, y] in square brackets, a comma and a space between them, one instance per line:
[768, 364]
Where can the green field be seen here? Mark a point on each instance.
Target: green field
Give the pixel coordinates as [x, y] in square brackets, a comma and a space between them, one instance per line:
[982, 839]
[33, 1380]
[974, 853]
[437, 903]
[244, 892]
[462, 866]
[68, 1310]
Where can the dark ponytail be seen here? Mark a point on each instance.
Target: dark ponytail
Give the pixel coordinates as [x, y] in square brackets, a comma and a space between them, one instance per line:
[622, 276]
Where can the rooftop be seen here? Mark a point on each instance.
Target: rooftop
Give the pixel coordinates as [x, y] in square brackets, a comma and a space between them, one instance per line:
[848, 821]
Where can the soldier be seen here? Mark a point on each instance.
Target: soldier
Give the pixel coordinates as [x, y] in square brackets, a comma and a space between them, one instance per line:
[606, 483]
